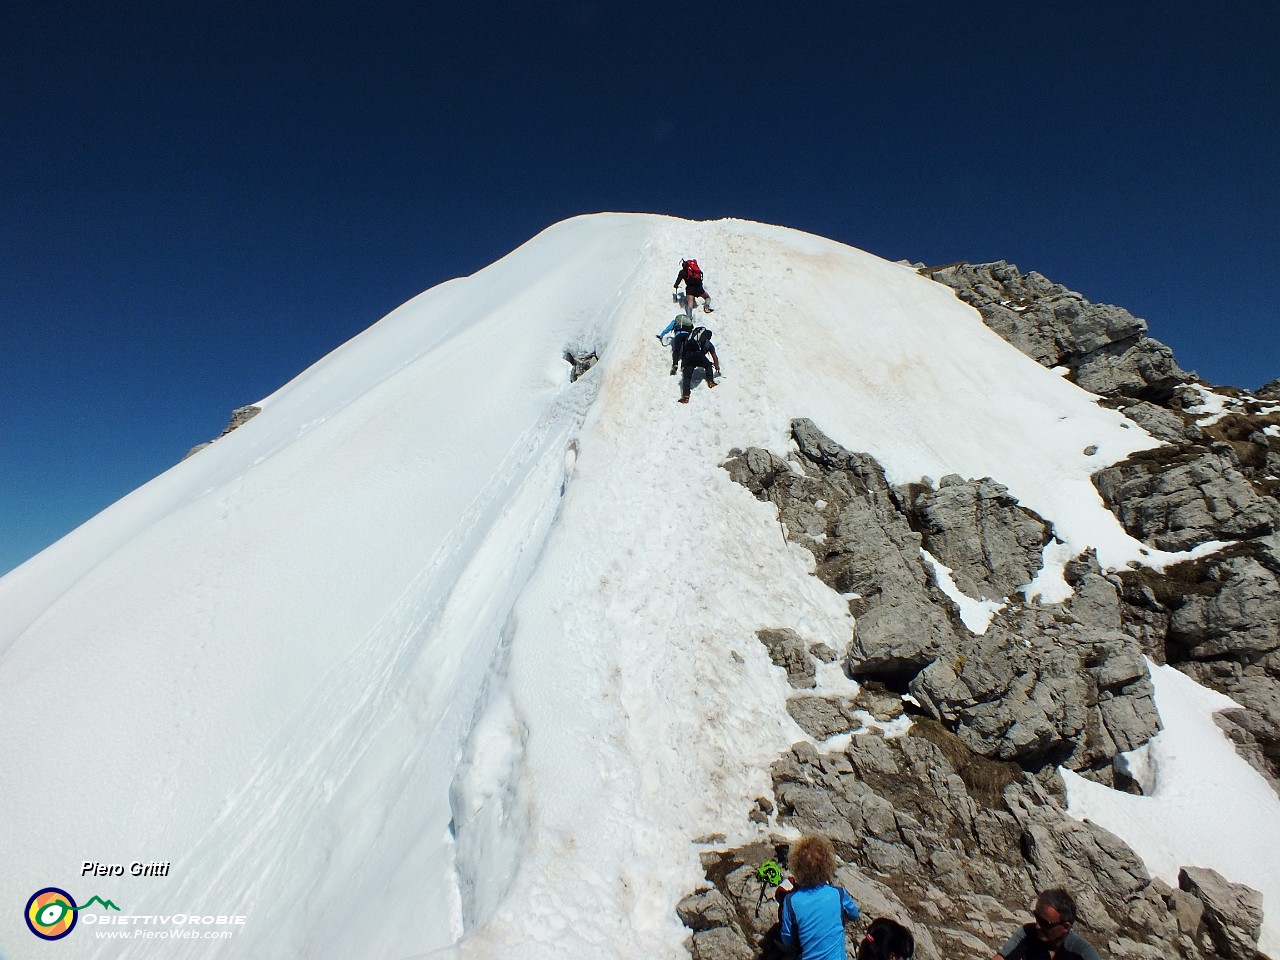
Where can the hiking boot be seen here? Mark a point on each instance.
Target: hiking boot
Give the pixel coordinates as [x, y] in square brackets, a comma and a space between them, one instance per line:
[684, 399]
[707, 308]
[711, 384]
[673, 369]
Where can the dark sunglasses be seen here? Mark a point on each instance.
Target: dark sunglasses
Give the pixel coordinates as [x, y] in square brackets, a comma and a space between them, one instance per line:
[1044, 924]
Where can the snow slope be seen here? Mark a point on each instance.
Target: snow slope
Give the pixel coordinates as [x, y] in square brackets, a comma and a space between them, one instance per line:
[442, 652]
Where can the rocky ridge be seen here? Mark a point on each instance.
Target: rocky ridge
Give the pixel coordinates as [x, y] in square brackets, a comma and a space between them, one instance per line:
[1105, 348]
[239, 417]
[1216, 479]
[953, 827]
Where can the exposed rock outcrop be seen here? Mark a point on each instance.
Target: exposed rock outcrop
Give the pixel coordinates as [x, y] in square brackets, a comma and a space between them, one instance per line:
[956, 846]
[787, 649]
[239, 417]
[1218, 620]
[1232, 911]
[580, 360]
[1057, 694]
[1105, 347]
[826, 717]
[1161, 422]
[991, 543]
[1217, 479]
[1041, 686]
[1175, 498]
[840, 507]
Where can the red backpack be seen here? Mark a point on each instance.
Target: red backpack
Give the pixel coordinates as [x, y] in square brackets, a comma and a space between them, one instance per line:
[692, 271]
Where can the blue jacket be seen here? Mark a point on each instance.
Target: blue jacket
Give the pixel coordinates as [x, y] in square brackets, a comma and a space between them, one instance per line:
[813, 920]
[671, 326]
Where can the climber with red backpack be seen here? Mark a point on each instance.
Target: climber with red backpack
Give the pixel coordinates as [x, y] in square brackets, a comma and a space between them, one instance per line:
[691, 276]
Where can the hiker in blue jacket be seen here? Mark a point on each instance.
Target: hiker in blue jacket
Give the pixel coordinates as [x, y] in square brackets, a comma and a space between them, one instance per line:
[679, 329]
[813, 914]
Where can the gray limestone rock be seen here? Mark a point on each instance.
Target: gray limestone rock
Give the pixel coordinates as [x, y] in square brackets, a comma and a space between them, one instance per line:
[1218, 620]
[882, 704]
[1232, 911]
[823, 653]
[1255, 727]
[1188, 911]
[1161, 422]
[1080, 856]
[706, 910]
[720, 943]
[580, 360]
[1176, 498]
[1060, 696]
[1269, 390]
[991, 542]
[1136, 367]
[839, 506]
[787, 649]
[824, 717]
[953, 827]
[877, 899]
[1105, 347]
[1037, 687]
[1095, 603]
[239, 417]
[1234, 612]
[955, 846]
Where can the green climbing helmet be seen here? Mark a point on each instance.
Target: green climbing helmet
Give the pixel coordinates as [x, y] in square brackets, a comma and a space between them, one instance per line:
[770, 872]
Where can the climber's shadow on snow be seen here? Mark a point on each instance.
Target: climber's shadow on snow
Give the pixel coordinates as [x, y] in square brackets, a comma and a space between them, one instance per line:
[698, 377]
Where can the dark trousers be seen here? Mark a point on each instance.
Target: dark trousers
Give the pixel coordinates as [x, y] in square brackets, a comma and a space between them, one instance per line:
[686, 373]
[677, 346]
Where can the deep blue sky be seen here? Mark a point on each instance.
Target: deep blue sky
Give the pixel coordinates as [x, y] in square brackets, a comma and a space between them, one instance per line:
[197, 201]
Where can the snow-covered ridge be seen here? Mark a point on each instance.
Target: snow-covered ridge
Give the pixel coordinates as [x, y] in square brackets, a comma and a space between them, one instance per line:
[442, 651]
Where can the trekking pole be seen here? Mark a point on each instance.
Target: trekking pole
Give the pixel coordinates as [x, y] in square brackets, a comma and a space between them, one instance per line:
[769, 874]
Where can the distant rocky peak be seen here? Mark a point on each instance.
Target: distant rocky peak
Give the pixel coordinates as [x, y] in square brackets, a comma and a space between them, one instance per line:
[1104, 347]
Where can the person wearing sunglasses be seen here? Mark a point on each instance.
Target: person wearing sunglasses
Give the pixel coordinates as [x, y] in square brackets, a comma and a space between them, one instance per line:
[1050, 936]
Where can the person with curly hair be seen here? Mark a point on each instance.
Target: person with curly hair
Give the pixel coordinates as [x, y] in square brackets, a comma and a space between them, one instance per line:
[813, 914]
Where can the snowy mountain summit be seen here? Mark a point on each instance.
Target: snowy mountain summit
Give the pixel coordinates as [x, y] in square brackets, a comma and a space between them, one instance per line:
[450, 652]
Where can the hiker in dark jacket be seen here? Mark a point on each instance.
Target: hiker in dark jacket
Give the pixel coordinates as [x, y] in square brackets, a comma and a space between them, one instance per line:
[1050, 937]
[696, 349]
[691, 276]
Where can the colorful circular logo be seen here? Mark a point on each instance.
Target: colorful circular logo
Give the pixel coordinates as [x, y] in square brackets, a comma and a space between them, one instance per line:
[51, 913]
